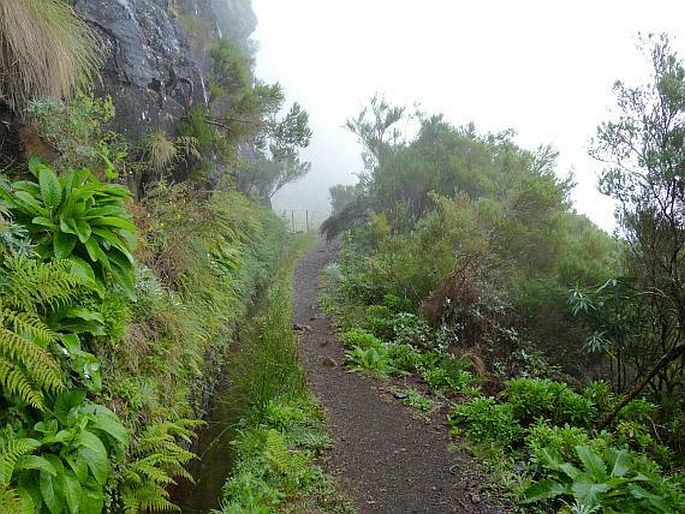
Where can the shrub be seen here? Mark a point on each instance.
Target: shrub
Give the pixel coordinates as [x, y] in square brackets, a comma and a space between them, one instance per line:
[561, 440]
[486, 420]
[360, 338]
[404, 357]
[441, 379]
[379, 320]
[555, 401]
[599, 393]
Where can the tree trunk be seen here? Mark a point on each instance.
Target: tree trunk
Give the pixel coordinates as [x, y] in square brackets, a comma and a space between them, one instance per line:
[672, 355]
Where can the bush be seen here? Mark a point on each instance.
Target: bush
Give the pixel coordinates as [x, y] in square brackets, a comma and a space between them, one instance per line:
[486, 420]
[441, 379]
[379, 320]
[404, 357]
[360, 338]
[559, 440]
[531, 399]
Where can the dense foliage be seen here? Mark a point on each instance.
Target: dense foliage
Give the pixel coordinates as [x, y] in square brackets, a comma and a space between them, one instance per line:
[121, 290]
[473, 276]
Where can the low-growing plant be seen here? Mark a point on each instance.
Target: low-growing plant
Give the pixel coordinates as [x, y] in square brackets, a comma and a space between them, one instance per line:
[414, 398]
[67, 463]
[440, 379]
[158, 457]
[561, 440]
[372, 359]
[379, 320]
[484, 419]
[404, 357]
[612, 482]
[75, 216]
[360, 338]
[637, 437]
[531, 399]
[599, 393]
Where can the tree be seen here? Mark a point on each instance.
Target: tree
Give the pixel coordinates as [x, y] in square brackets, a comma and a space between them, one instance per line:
[249, 111]
[373, 126]
[644, 149]
[342, 195]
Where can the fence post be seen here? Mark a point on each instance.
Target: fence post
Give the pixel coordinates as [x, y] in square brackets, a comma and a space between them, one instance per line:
[292, 221]
[306, 218]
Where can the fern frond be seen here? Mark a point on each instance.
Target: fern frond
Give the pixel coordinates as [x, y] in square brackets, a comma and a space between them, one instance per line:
[29, 284]
[38, 362]
[156, 460]
[11, 452]
[147, 468]
[14, 381]
[26, 367]
[276, 451]
[150, 497]
[27, 326]
[9, 500]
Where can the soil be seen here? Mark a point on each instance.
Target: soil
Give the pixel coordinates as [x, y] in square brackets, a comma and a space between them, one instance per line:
[386, 460]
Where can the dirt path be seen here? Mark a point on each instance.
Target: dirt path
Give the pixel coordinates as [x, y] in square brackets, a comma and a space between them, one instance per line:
[388, 461]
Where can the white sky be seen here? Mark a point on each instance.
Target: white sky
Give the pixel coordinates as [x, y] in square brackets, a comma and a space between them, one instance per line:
[544, 68]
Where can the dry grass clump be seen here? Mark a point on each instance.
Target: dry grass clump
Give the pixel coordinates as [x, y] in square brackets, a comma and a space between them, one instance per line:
[46, 50]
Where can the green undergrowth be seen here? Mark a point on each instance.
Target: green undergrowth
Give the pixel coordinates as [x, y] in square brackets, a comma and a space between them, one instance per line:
[534, 432]
[282, 433]
[114, 318]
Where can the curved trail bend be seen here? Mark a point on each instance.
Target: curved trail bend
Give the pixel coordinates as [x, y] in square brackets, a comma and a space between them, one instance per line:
[387, 461]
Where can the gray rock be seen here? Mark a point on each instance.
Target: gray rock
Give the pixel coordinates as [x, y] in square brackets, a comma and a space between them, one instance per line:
[152, 72]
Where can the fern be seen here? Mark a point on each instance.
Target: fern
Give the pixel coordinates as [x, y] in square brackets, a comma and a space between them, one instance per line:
[154, 463]
[9, 500]
[29, 289]
[279, 456]
[29, 285]
[27, 369]
[10, 453]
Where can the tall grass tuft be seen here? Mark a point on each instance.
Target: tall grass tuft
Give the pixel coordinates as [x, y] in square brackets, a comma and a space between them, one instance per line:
[46, 50]
[268, 361]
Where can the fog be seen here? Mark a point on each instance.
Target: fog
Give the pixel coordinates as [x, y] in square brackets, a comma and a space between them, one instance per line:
[542, 68]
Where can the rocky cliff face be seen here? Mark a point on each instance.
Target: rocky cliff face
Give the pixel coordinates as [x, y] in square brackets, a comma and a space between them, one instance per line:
[153, 71]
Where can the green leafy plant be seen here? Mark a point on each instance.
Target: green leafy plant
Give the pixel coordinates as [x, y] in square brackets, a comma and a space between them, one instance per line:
[65, 466]
[556, 401]
[77, 217]
[372, 359]
[28, 342]
[361, 338]
[404, 357]
[486, 420]
[560, 440]
[613, 482]
[413, 397]
[158, 457]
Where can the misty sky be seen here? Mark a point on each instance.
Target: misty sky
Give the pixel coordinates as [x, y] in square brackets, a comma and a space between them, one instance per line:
[544, 68]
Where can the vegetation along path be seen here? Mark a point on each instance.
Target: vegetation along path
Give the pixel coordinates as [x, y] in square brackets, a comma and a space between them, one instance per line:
[388, 461]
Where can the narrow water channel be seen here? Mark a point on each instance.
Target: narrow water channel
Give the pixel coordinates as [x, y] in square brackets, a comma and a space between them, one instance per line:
[216, 457]
[213, 446]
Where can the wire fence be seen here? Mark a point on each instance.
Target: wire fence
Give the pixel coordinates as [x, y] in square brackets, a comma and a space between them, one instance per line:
[301, 220]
